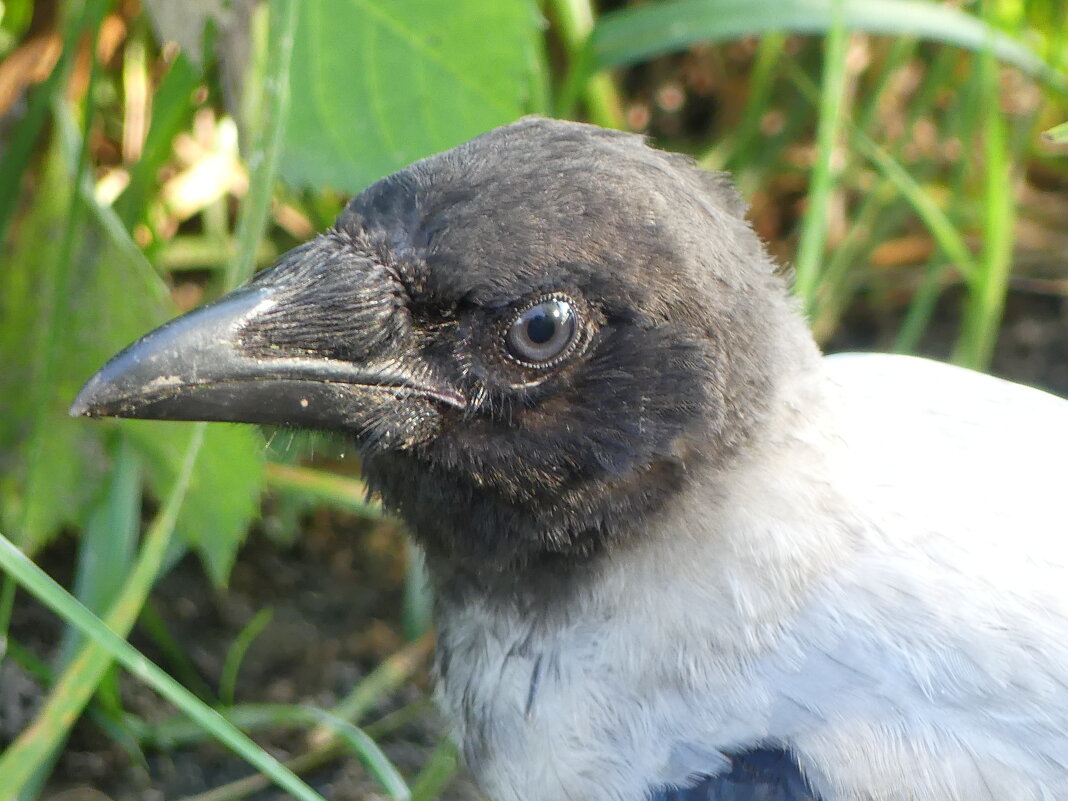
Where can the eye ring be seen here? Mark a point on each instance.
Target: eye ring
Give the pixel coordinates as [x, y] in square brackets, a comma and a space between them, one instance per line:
[543, 333]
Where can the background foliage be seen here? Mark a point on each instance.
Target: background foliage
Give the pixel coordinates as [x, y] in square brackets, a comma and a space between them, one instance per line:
[154, 155]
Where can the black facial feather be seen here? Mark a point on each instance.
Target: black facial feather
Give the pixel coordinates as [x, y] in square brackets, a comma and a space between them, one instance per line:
[675, 369]
[340, 297]
[337, 297]
[560, 469]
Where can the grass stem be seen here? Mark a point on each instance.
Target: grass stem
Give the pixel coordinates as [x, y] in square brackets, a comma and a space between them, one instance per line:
[990, 285]
[267, 149]
[576, 21]
[824, 175]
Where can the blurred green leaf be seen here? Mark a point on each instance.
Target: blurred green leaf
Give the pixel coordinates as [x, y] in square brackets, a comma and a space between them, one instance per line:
[15, 16]
[638, 32]
[108, 544]
[52, 464]
[376, 85]
[223, 495]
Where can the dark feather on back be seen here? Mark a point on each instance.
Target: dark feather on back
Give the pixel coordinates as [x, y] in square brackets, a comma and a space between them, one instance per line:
[763, 774]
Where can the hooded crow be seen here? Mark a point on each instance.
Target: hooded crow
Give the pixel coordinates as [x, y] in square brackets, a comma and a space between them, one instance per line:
[678, 555]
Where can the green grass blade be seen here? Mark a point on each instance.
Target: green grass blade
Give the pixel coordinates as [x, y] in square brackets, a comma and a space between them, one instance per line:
[921, 310]
[109, 542]
[946, 235]
[175, 656]
[990, 285]
[745, 138]
[341, 491]
[824, 175]
[26, 659]
[938, 223]
[251, 716]
[236, 654]
[172, 107]
[418, 604]
[369, 691]
[266, 151]
[376, 762]
[105, 555]
[75, 686]
[437, 773]
[901, 52]
[383, 679]
[113, 645]
[603, 104]
[116, 728]
[180, 730]
[27, 134]
[8, 588]
[639, 32]
[79, 681]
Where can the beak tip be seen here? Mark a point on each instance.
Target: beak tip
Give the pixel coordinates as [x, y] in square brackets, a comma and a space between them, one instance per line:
[80, 406]
[91, 400]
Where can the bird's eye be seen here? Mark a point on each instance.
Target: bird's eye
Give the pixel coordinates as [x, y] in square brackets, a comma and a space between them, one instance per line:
[542, 333]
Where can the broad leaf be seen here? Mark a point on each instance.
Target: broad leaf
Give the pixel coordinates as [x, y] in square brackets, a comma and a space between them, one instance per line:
[377, 84]
[62, 319]
[224, 492]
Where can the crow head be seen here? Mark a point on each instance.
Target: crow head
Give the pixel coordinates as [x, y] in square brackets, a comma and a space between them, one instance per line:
[536, 338]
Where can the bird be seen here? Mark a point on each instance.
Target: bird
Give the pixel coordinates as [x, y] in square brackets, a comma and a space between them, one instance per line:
[678, 554]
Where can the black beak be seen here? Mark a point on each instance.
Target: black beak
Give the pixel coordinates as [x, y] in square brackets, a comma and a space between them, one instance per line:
[195, 368]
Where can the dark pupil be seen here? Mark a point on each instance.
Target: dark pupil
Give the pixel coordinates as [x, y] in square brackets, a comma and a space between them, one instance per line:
[541, 328]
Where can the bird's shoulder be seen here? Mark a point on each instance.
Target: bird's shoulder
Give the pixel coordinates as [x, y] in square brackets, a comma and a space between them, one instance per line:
[960, 453]
[896, 400]
[936, 387]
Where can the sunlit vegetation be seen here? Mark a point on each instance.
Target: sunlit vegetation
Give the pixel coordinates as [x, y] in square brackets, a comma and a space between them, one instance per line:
[155, 154]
